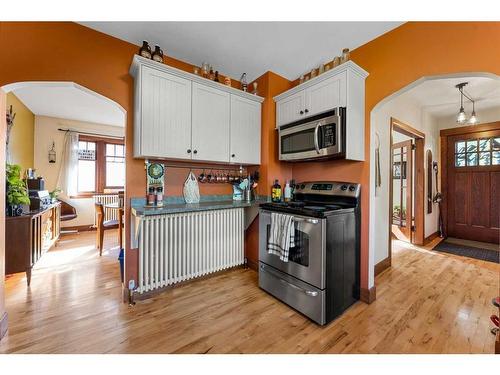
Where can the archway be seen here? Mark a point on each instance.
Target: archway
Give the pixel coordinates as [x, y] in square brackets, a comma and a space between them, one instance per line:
[379, 134]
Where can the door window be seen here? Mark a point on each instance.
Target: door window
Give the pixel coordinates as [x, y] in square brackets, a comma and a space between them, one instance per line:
[477, 152]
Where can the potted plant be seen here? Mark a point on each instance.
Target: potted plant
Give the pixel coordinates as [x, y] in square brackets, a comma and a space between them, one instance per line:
[54, 194]
[17, 192]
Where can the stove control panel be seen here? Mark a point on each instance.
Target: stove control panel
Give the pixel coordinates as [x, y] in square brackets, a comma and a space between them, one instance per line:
[346, 189]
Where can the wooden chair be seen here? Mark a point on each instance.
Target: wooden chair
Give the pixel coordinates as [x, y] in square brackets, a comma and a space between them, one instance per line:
[103, 225]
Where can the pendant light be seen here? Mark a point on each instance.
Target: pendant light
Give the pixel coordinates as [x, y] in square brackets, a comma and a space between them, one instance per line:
[462, 117]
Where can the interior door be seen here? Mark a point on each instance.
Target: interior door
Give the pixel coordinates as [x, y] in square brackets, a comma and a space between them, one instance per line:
[211, 124]
[402, 190]
[326, 95]
[290, 108]
[166, 115]
[473, 186]
[245, 131]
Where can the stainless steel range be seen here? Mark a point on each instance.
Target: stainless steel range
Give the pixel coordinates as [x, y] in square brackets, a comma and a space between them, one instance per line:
[321, 277]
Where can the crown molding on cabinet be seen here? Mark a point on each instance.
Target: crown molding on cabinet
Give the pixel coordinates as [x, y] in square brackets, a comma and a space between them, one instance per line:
[139, 61]
[348, 65]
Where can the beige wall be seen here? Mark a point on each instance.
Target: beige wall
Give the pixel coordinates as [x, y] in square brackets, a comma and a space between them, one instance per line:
[45, 133]
[408, 111]
[22, 134]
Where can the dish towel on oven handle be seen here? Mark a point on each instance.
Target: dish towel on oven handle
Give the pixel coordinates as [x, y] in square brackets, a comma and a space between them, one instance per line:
[281, 236]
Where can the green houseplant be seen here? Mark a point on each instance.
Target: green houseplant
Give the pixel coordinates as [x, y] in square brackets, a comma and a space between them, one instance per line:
[17, 192]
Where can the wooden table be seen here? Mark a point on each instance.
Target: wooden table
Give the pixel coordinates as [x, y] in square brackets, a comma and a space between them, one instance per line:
[119, 207]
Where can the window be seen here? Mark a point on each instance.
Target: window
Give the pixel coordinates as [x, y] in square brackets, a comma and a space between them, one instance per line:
[101, 165]
[115, 165]
[477, 152]
[86, 167]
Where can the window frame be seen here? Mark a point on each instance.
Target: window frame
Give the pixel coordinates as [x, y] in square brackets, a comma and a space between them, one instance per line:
[100, 165]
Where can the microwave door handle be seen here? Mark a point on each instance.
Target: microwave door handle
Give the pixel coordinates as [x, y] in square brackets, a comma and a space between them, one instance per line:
[316, 133]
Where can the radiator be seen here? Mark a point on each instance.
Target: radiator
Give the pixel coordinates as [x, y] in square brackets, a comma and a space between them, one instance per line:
[109, 213]
[179, 247]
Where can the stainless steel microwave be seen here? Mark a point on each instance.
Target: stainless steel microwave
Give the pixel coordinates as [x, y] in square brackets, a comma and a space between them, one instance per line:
[318, 137]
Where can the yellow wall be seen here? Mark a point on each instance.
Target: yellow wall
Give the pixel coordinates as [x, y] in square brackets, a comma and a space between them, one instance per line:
[23, 134]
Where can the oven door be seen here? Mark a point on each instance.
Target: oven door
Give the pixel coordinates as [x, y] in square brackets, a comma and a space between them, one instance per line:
[316, 139]
[307, 259]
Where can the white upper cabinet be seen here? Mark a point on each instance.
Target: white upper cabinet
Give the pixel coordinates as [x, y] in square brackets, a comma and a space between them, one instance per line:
[179, 115]
[291, 108]
[245, 131]
[342, 86]
[211, 116]
[165, 115]
[325, 95]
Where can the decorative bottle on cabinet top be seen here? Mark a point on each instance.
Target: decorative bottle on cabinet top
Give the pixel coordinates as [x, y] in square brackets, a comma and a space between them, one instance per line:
[158, 54]
[145, 50]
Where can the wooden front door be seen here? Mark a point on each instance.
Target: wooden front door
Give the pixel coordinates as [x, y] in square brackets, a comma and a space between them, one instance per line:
[473, 185]
[402, 190]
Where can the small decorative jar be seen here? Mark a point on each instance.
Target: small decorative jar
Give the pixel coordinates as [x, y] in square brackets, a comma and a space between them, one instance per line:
[227, 81]
[196, 70]
[321, 69]
[255, 92]
[145, 50]
[346, 55]
[158, 54]
[336, 61]
[313, 73]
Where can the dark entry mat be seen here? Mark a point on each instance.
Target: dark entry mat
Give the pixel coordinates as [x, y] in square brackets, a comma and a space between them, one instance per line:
[469, 251]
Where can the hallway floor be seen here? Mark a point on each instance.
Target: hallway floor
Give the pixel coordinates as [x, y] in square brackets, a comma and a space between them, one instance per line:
[426, 303]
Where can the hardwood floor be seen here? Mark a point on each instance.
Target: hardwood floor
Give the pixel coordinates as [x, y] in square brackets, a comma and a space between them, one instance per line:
[426, 303]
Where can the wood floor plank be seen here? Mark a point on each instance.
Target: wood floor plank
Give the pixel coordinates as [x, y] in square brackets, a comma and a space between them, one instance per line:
[427, 302]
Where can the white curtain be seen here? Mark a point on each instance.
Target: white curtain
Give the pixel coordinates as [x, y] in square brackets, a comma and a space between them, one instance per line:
[68, 171]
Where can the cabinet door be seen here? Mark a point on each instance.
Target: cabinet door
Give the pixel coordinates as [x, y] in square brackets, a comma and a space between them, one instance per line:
[326, 95]
[166, 115]
[288, 109]
[210, 126]
[245, 131]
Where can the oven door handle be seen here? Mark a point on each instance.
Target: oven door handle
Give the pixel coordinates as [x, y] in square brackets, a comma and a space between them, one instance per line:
[316, 134]
[311, 293]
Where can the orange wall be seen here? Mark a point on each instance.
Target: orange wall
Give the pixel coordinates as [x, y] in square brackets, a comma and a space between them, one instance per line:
[396, 59]
[67, 51]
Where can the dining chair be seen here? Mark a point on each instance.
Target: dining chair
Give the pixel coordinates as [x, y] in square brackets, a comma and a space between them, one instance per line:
[102, 225]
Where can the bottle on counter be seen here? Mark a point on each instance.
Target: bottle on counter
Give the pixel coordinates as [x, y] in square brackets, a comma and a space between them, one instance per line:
[151, 196]
[159, 196]
[276, 192]
[287, 194]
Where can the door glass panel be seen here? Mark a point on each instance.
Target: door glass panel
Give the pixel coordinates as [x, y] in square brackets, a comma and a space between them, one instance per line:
[459, 147]
[496, 143]
[496, 158]
[300, 252]
[472, 145]
[400, 185]
[460, 160]
[484, 144]
[472, 159]
[484, 158]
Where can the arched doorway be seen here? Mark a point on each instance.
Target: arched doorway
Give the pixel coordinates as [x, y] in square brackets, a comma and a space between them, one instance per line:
[380, 134]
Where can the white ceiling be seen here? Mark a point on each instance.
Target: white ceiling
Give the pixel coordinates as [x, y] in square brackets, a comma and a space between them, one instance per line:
[68, 100]
[286, 48]
[440, 97]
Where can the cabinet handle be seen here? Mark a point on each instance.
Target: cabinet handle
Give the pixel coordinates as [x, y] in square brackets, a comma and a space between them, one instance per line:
[233, 155]
[306, 110]
[195, 151]
[188, 150]
[301, 112]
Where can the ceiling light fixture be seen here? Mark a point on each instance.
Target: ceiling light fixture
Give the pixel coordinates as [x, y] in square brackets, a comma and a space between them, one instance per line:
[462, 117]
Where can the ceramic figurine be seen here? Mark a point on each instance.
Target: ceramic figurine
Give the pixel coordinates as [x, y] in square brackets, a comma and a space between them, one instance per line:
[254, 88]
[346, 55]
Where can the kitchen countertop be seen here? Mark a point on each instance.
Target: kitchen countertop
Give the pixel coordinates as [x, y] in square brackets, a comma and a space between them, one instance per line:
[175, 205]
